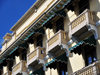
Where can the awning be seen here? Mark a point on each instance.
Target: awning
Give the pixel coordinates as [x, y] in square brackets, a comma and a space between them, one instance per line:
[24, 45]
[29, 35]
[89, 41]
[13, 50]
[2, 60]
[9, 54]
[39, 72]
[28, 32]
[53, 60]
[60, 59]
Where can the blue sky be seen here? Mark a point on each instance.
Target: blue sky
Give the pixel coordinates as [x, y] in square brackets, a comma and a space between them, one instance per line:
[10, 12]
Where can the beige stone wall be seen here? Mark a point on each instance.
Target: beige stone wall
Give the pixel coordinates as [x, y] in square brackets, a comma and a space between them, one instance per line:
[95, 6]
[4, 47]
[17, 59]
[49, 33]
[51, 72]
[72, 66]
[44, 7]
[75, 63]
[98, 44]
[32, 47]
[11, 41]
[44, 40]
[71, 15]
[4, 69]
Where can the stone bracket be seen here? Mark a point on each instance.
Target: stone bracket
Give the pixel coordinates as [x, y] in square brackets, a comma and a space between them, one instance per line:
[66, 49]
[43, 62]
[94, 30]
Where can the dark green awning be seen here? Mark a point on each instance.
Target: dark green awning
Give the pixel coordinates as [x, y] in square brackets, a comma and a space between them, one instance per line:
[39, 72]
[89, 41]
[61, 58]
[53, 60]
[1, 60]
[13, 50]
[29, 35]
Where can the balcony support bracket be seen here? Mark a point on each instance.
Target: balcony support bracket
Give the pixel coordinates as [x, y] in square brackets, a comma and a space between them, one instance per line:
[66, 49]
[94, 30]
[43, 62]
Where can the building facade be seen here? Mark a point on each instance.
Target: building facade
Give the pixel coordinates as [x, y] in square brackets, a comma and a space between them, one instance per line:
[54, 37]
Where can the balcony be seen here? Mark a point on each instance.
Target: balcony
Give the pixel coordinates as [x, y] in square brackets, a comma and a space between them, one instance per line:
[8, 73]
[34, 57]
[83, 26]
[56, 43]
[93, 69]
[19, 68]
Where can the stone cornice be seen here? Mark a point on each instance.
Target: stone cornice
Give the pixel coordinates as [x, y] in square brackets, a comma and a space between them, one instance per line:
[35, 6]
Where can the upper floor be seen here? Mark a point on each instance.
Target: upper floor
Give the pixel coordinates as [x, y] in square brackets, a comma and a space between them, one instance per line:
[49, 23]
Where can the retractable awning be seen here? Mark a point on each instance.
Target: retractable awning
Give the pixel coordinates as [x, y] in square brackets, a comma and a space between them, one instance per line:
[37, 24]
[39, 72]
[61, 59]
[89, 41]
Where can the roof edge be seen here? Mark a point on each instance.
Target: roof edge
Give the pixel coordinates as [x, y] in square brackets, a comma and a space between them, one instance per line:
[27, 15]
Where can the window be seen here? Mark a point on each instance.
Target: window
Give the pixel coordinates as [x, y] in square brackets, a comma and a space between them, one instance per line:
[24, 56]
[64, 73]
[83, 4]
[42, 51]
[62, 68]
[60, 24]
[90, 55]
[39, 41]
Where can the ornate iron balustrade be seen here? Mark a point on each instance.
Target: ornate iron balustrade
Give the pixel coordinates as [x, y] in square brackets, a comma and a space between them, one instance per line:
[93, 69]
[83, 26]
[19, 68]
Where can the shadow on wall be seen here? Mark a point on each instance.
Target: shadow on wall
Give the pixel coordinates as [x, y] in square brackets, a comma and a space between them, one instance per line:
[95, 5]
[70, 71]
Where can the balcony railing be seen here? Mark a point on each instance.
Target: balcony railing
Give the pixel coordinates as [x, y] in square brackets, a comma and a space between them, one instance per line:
[81, 27]
[93, 69]
[59, 39]
[19, 68]
[33, 57]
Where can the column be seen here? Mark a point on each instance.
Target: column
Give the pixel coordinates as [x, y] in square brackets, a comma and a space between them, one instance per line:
[98, 44]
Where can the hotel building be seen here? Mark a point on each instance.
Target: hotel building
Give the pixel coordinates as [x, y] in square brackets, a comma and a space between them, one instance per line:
[54, 37]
